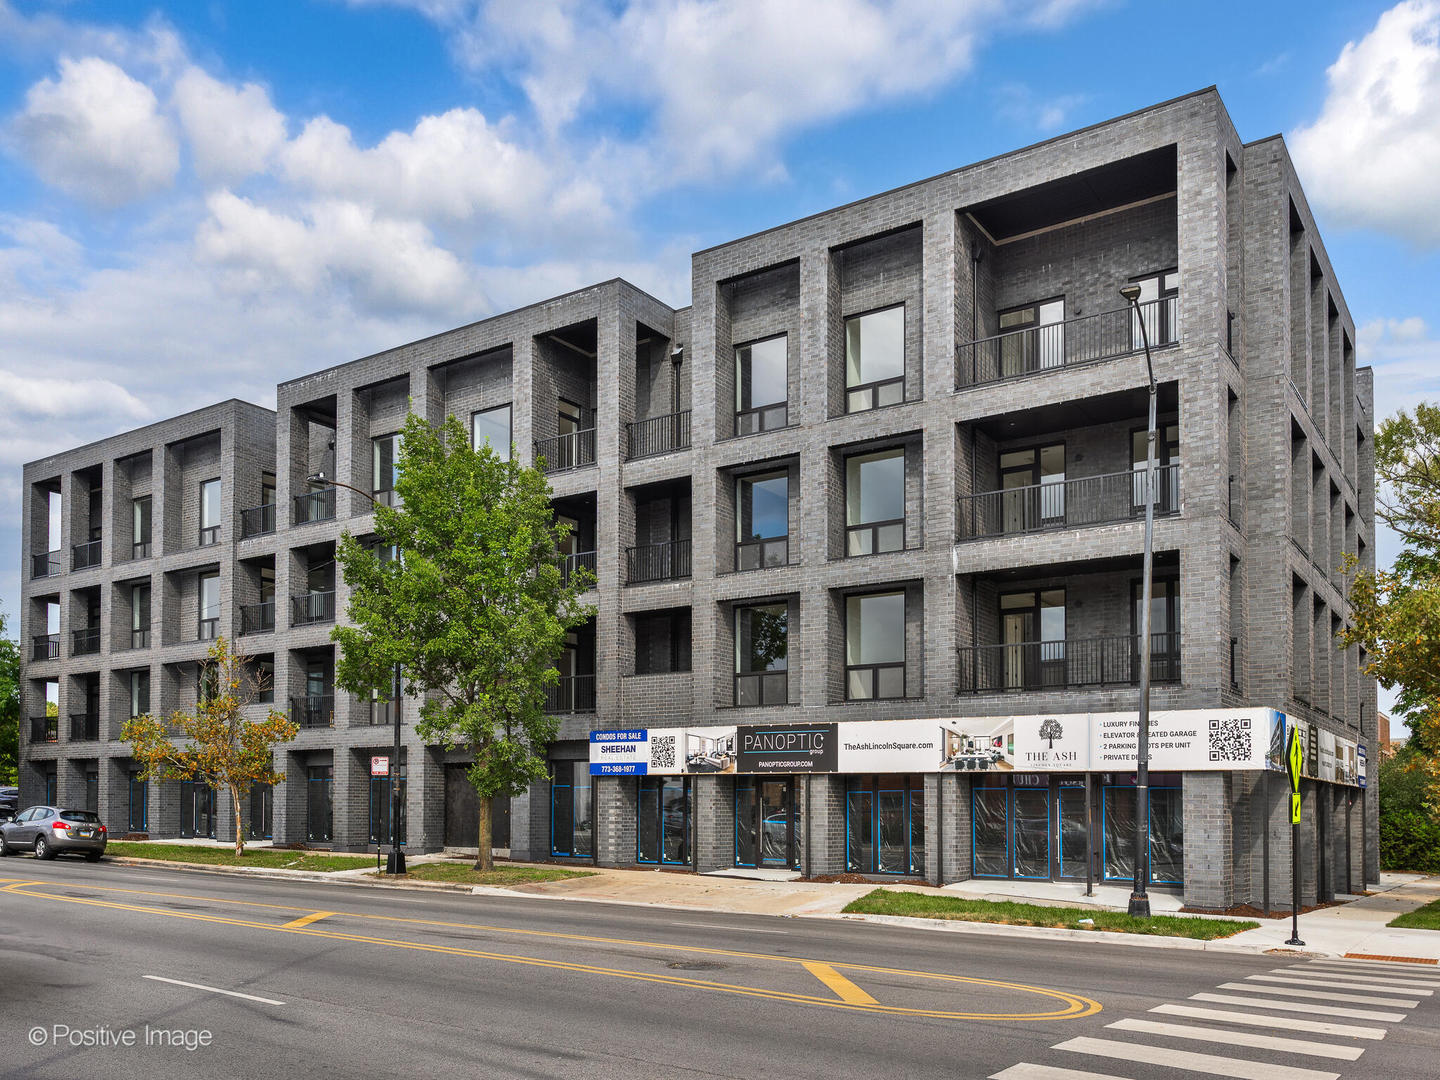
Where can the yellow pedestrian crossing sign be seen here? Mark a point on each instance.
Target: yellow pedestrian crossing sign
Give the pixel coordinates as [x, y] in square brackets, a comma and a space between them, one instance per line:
[1294, 808]
[1295, 759]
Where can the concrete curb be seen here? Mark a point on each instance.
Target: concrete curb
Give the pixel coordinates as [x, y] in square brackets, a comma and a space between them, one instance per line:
[276, 874]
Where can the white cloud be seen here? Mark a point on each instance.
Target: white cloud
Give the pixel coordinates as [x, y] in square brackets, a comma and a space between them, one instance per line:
[1022, 106]
[232, 131]
[44, 397]
[1406, 361]
[386, 264]
[1372, 156]
[97, 133]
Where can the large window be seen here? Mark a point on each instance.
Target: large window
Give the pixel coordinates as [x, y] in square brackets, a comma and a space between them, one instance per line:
[1032, 486]
[761, 385]
[875, 359]
[1159, 311]
[1167, 467]
[319, 802]
[875, 502]
[762, 521]
[139, 693]
[1033, 337]
[662, 832]
[1166, 832]
[209, 628]
[491, 427]
[140, 528]
[1164, 627]
[138, 809]
[139, 616]
[210, 512]
[572, 810]
[885, 824]
[384, 467]
[261, 825]
[875, 646]
[382, 807]
[1032, 635]
[762, 654]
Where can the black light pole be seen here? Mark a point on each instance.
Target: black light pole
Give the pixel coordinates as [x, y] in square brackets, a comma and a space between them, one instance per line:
[1139, 898]
[395, 861]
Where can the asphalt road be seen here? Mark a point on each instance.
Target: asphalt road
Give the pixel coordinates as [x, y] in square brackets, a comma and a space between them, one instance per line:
[350, 981]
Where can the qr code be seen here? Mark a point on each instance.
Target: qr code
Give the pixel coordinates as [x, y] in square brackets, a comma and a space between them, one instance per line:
[1230, 739]
[662, 752]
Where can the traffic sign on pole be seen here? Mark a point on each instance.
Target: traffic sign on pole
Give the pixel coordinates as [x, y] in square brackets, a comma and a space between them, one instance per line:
[1294, 759]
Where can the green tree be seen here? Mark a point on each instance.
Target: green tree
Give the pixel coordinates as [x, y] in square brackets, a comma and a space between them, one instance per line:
[474, 610]
[9, 707]
[220, 748]
[1397, 611]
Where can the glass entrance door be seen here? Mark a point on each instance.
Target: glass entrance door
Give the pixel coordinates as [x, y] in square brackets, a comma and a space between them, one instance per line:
[1030, 815]
[1070, 827]
[765, 823]
[663, 823]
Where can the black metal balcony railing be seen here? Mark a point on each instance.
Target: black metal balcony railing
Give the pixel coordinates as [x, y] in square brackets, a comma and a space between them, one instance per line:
[1066, 504]
[312, 607]
[564, 452]
[257, 521]
[257, 618]
[761, 688]
[209, 534]
[763, 418]
[572, 694]
[875, 395]
[44, 729]
[45, 564]
[86, 555]
[873, 682]
[1064, 344]
[874, 537]
[140, 638]
[208, 629]
[1074, 662]
[84, 727]
[315, 506]
[313, 711]
[761, 553]
[659, 435]
[581, 560]
[85, 641]
[45, 647]
[140, 549]
[669, 561]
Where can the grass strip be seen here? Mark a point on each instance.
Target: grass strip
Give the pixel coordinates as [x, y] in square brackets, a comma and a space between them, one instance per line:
[927, 906]
[261, 857]
[466, 874]
[1423, 918]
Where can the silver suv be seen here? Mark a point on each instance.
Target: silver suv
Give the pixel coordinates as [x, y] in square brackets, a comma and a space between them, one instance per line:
[51, 830]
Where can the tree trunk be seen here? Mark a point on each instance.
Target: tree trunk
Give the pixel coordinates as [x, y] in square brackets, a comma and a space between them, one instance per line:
[239, 834]
[485, 858]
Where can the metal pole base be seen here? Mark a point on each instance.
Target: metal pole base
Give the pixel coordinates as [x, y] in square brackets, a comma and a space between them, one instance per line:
[395, 862]
[1139, 906]
[1294, 941]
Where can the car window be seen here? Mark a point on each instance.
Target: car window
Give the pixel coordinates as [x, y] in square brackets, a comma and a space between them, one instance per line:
[24, 815]
[80, 815]
[41, 813]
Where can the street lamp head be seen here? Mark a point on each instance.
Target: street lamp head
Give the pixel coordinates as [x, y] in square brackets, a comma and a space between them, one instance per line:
[1131, 293]
[315, 478]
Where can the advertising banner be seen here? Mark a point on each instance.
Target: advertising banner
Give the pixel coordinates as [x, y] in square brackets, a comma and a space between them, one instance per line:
[786, 748]
[1360, 764]
[908, 746]
[1180, 741]
[1327, 764]
[662, 751]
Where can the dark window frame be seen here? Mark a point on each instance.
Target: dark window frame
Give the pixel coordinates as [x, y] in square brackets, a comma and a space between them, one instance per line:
[874, 387]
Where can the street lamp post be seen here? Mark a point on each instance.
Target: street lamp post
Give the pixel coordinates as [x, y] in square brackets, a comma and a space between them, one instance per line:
[395, 861]
[1139, 898]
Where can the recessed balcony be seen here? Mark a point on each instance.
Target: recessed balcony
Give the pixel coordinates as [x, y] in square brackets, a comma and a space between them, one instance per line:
[1106, 499]
[658, 435]
[669, 561]
[1067, 663]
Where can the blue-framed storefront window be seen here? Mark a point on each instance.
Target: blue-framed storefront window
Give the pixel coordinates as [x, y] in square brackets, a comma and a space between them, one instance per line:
[765, 822]
[663, 820]
[990, 831]
[382, 808]
[885, 824]
[1117, 831]
[572, 810]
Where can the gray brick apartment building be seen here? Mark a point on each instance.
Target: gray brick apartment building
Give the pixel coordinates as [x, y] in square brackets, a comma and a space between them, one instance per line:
[882, 471]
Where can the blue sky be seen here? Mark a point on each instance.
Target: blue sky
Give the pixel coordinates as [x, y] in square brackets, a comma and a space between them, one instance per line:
[199, 200]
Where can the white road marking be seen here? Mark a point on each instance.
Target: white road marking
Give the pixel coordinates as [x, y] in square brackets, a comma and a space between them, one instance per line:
[1026, 1071]
[1299, 1006]
[738, 929]
[213, 990]
[1368, 967]
[1241, 1038]
[1319, 995]
[1283, 1023]
[1343, 984]
[1213, 1064]
[1397, 979]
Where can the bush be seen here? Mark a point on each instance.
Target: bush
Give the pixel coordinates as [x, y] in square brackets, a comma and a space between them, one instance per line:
[1409, 831]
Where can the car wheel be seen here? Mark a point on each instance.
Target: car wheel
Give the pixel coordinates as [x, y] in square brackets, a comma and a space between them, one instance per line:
[4, 848]
[42, 849]
[92, 856]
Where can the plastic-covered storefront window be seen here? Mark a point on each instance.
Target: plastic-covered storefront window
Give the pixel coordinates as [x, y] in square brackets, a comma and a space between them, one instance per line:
[991, 843]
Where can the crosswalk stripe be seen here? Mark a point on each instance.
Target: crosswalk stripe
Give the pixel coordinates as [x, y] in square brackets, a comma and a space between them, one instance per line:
[1319, 995]
[1283, 1023]
[1407, 971]
[1299, 1006]
[1397, 979]
[1344, 984]
[1213, 1064]
[1024, 1070]
[1241, 1038]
